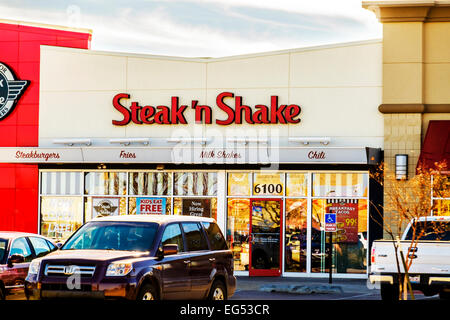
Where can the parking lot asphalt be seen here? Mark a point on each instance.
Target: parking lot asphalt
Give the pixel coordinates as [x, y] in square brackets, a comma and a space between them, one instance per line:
[285, 283]
[290, 288]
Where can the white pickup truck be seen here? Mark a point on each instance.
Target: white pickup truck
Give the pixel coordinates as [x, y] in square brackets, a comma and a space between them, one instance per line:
[430, 268]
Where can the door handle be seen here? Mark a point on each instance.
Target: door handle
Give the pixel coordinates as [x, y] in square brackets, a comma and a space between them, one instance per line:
[412, 256]
[413, 249]
[212, 259]
[187, 261]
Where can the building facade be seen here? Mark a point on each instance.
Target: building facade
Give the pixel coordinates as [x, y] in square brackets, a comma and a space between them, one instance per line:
[416, 81]
[278, 147]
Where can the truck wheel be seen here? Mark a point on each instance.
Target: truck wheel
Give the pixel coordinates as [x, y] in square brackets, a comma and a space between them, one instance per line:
[147, 292]
[218, 291]
[389, 292]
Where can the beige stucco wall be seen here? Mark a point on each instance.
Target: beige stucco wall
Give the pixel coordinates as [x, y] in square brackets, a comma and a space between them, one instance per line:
[416, 74]
[338, 88]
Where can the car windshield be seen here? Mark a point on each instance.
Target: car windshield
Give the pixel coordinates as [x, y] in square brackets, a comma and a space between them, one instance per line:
[107, 235]
[431, 230]
[3, 244]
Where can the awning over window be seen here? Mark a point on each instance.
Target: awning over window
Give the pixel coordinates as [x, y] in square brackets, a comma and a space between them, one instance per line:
[436, 146]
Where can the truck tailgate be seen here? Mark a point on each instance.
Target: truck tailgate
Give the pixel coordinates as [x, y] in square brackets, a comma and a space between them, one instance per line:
[430, 257]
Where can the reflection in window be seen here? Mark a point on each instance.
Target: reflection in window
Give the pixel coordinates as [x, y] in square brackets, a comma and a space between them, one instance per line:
[441, 207]
[61, 183]
[40, 246]
[268, 184]
[296, 185]
[238, 231]
[195, 184]
[61, 216]
[206, 207]
[239, 184]
[172, 235]
[150, 183]
[215, 236]
[194, 236]
[441, 186]
[350, 240]
[20, 246]
[340, 185]
[105, 183]
[296, 236]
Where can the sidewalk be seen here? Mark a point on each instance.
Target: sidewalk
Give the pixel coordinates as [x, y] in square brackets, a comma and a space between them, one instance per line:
[301, 285]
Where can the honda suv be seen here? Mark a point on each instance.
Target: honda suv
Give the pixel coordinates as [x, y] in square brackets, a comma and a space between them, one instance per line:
[143, 257]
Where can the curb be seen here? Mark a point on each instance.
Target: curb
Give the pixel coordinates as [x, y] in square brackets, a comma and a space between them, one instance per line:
[302, 289]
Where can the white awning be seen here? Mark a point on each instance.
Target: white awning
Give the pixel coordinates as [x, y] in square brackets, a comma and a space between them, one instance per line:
[188, 155]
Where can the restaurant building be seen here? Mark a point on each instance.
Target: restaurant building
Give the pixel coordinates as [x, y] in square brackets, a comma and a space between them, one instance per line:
[277, 147]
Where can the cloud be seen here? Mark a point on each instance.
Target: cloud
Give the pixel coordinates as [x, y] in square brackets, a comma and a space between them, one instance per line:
[204, 27]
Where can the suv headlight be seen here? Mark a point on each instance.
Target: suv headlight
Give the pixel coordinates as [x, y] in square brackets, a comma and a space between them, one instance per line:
[34, 267]
[117, 269]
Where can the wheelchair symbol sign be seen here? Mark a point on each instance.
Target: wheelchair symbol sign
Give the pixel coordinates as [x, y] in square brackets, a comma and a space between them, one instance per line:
[330, 222]
[330, 218]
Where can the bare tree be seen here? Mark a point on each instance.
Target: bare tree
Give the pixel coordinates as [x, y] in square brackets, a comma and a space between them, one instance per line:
[406, 201]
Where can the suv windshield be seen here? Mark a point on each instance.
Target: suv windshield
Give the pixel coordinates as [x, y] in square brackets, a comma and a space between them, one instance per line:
[431, 230]
[109, 235]
[3, 243]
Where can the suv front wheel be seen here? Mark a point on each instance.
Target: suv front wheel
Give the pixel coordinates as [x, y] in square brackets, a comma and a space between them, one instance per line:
[218, 291]
[147, 292]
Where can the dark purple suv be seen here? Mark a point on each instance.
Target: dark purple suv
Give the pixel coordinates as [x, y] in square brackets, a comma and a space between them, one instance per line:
[143, 257]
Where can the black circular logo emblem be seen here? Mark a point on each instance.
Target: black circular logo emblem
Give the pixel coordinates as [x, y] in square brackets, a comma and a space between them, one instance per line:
[10, 90]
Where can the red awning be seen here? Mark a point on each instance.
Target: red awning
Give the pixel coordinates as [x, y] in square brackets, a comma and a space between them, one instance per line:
[436, 146]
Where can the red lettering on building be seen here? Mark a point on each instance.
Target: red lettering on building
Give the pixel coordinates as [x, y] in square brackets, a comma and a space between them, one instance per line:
[127, 155]
[260, 114]
[37, 155]
[317, 155]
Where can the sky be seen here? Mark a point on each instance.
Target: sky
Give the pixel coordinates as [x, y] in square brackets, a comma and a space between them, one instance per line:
[203, 28]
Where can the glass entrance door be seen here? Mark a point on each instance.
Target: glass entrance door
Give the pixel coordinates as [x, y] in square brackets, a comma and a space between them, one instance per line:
[265, 237]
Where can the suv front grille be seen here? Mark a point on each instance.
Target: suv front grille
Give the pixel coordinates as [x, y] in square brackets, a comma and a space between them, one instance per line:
[68, 270]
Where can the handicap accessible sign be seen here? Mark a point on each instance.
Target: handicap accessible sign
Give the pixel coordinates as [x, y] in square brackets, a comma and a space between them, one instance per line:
[330, 222]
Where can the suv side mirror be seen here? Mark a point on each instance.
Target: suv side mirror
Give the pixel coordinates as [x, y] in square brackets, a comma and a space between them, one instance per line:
[15, 258]
[167, 250]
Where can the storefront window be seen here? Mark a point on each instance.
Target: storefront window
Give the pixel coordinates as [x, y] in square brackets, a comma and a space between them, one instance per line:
[441, 207]
[60, 216]
[195, 184]
[296, 185]
[442, 187]
[340, 185]
[149, 205]
[349, 243]
[201, 207]
[441, 196]
[238, 232]
[61, 183]
[239, 184]
[104, 206]
[105, 183]
[296, 235]
[150, 183]
[265, 184]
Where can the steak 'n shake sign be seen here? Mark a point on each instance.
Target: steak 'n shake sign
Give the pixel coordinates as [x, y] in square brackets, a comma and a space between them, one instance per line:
[236, 112]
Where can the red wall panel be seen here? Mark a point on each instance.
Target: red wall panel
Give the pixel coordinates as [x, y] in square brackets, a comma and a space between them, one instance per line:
[19, 183]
